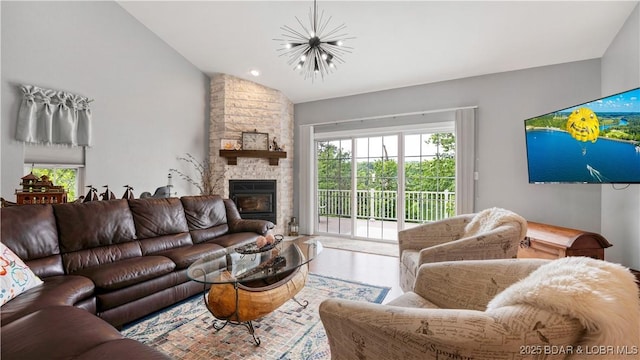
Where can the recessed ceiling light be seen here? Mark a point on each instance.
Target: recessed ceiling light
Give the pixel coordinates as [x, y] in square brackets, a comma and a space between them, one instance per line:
[255, 72]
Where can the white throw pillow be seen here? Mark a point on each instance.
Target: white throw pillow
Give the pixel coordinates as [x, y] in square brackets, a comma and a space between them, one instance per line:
[15, 275]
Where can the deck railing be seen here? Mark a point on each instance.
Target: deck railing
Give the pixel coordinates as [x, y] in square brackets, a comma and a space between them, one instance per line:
[420, 206]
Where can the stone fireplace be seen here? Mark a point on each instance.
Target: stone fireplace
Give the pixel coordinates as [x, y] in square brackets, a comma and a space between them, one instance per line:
[239, 106]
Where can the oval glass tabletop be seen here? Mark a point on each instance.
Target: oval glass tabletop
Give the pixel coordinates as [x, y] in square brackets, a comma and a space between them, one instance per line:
[237, 267]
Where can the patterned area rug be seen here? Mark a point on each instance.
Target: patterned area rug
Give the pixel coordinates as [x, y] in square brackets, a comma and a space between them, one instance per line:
[184, 331]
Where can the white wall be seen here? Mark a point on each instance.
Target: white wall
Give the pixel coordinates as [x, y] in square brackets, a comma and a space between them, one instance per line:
[504, 101]
[151, 105]
[621, 208]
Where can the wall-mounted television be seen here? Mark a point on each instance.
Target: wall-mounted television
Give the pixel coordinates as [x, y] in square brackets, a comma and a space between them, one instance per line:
[595, 142]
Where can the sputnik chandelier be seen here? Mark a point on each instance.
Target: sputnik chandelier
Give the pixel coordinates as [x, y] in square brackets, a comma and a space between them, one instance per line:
[314, 50]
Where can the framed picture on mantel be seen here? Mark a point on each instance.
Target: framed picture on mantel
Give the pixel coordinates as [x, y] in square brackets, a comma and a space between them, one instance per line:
[228, 144]
[255, 141]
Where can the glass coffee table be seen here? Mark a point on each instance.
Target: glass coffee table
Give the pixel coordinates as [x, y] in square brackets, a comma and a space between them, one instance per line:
[248, 282]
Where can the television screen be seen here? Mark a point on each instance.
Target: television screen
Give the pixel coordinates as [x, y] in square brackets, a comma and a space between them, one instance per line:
[594, 142]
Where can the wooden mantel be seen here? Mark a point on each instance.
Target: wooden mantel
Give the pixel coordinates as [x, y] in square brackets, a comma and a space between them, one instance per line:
[233, 155]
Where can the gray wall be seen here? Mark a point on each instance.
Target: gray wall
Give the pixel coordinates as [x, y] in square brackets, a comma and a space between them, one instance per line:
[621, 207]
[151, 105]
[504, 101]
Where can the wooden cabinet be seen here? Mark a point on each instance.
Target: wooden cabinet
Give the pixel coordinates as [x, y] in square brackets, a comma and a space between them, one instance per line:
[552, 242]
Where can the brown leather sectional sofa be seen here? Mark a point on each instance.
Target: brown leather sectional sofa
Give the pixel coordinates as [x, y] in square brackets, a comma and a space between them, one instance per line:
[117, 259]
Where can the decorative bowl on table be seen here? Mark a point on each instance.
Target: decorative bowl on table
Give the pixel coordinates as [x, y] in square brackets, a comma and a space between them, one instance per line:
[253, 248]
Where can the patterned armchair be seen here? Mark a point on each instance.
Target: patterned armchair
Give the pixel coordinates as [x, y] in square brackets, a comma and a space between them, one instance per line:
[490, 234]
[495, 309]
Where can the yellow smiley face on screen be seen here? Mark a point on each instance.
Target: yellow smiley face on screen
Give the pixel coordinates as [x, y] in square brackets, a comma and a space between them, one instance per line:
[583, 125]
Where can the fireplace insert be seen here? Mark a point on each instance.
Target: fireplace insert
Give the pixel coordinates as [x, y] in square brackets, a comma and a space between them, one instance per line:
[255, 199]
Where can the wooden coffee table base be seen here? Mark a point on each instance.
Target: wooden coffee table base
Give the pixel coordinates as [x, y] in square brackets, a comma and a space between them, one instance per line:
[239, 304]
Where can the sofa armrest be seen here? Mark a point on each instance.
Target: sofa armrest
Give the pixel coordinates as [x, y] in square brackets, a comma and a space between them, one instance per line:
[358, 330]
[470, 284]
[238, 224]
[433, 233]
[250, 225]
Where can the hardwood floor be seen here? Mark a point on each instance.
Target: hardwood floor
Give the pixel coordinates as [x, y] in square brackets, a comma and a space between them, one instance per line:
[366, 268]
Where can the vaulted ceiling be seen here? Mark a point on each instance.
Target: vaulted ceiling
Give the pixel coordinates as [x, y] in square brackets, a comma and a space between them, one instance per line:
[397, 43]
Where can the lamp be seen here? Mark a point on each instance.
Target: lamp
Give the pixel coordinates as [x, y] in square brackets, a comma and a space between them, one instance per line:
[314, 51]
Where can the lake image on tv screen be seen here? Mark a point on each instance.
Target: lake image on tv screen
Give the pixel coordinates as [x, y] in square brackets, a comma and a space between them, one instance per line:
[597, 142]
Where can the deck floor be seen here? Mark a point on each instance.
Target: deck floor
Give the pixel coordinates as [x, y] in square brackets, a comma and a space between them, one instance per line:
[377, 230]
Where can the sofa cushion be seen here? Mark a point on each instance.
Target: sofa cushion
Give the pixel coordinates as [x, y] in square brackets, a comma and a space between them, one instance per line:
[96, 223]
[202, 235]
[161, 243]
[203, 212]
[123, 273]
[55, 291]
[15, 276]
[77, 260]
[158, 216]
[112, 299]
[66, 332]
[38, 247]
[235, 239]
[187, 255]
[47, 266]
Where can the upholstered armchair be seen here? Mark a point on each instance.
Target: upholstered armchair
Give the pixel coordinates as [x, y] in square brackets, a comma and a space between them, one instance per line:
[495, 309]
[490, 234]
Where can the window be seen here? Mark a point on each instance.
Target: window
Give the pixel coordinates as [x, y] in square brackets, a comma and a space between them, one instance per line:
[68, 176]
[63, 165]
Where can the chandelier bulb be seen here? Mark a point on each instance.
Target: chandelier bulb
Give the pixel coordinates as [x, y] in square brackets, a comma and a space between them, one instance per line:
[288, 46]
[312, 33]
[331, 65]
[340, 43]
[303, 58]
[324, 56]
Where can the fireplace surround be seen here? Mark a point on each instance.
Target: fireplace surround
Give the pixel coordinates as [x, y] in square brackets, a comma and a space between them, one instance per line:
[255, 199]
[238, 106]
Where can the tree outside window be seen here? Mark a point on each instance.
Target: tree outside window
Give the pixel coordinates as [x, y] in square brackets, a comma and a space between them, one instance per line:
[67, 177]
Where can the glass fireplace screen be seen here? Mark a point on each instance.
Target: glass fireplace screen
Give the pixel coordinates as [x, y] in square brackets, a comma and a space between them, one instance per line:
[254, 203]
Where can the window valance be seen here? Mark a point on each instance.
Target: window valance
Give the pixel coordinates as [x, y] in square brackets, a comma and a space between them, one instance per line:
[53, 117]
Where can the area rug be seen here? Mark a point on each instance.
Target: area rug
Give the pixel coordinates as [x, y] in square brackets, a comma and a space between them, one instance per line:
[184, 331]
[369, 247]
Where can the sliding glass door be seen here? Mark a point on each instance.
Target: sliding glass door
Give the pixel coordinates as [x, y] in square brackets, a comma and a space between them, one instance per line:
[376, 180]
[334, 184]
[429, 177]
[371, 187]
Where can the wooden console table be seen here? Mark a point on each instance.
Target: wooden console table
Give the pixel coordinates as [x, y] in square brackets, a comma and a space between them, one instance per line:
[233, 155]
[551, 242]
